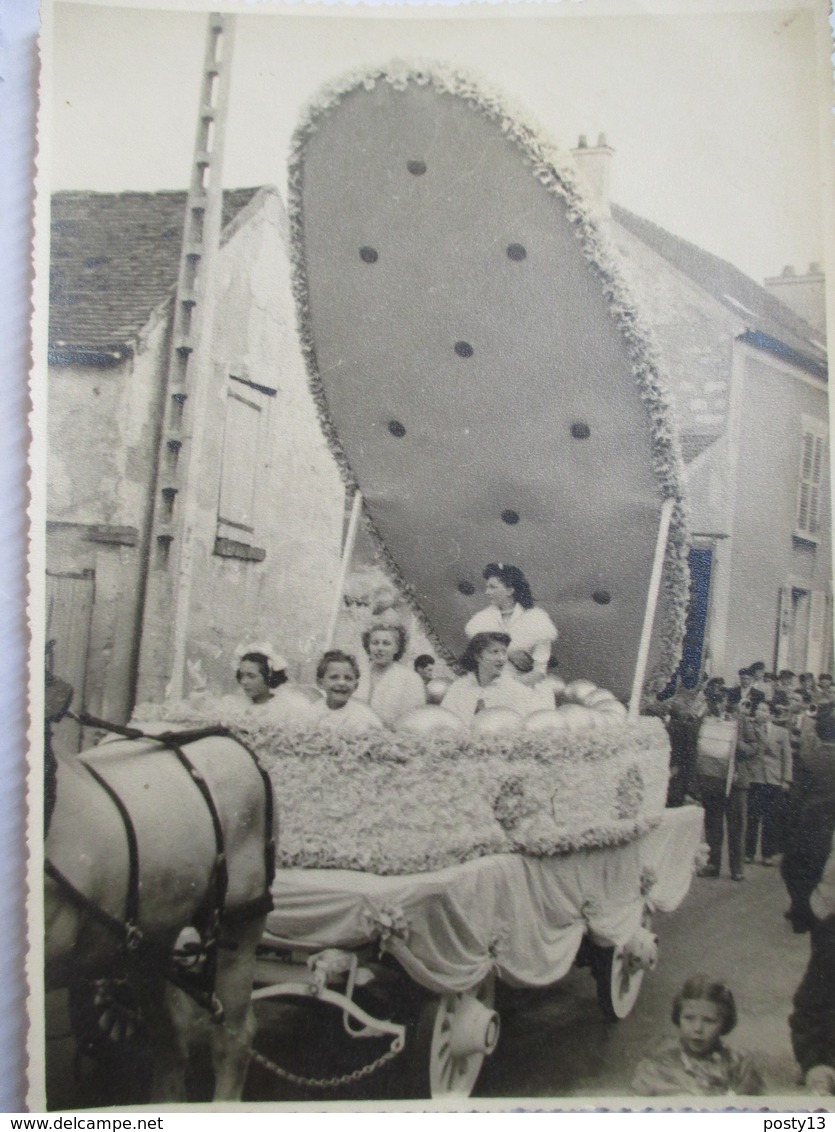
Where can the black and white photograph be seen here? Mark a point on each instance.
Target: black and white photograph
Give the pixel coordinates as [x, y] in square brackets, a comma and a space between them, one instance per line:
[431, 569]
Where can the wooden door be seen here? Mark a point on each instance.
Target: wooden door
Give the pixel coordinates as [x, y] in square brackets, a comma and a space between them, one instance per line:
[69, 610]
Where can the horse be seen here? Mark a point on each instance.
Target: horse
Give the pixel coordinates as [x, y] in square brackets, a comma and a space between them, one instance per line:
[148, 837]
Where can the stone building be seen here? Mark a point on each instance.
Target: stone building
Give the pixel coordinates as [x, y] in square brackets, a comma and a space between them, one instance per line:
[748, 378]
[267, 515]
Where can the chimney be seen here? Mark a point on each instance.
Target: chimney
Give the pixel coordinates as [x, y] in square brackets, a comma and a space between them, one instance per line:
[594, 164]
[804, 294]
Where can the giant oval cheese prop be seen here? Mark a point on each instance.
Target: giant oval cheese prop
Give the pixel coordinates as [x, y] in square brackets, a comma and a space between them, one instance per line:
[480, 368]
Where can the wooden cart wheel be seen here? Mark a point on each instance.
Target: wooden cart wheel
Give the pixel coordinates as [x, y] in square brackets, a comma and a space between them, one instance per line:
[618, 984]
[453, 1035]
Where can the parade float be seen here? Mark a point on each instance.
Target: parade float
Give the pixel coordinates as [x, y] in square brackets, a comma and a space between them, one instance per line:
[491, 392]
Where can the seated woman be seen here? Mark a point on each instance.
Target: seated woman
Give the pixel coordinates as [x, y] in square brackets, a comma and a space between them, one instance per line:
[262, 675]
[512, 610]
[390, 688]
[337, 674]
[487, 683]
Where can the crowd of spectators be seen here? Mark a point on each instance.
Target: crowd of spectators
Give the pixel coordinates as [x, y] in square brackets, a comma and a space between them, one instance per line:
[759, 756]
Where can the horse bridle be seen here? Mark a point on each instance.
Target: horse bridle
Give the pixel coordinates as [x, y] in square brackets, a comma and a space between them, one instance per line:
[199, 984]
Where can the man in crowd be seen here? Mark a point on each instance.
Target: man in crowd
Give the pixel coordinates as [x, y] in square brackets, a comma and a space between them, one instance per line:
[825, 694]
[808, 685]
[785, 687]
[740, 691]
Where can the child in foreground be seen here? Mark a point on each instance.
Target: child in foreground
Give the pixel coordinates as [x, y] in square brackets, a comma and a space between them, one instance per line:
[698, 1062]
[337, 675]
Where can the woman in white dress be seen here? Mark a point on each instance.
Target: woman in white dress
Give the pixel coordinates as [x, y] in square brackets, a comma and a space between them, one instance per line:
[487, 683]
[262, 675]
[512, 610]
[389, 687]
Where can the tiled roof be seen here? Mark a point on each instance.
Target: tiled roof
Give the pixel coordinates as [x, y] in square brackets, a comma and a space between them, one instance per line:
[114, 258]
[754, 306]
[699, 306]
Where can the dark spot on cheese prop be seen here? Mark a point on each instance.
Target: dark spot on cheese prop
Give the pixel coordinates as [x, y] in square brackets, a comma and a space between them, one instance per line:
[492, 366]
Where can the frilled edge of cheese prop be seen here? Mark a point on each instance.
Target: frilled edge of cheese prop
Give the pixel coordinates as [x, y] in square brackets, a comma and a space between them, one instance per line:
[398, 803]
[558, 174]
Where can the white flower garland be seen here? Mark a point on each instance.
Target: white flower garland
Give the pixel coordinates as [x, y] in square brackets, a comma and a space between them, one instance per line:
[340, 798]
[558, 175]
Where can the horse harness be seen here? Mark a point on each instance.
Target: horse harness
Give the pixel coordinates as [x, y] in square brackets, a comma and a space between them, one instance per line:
[198, 978]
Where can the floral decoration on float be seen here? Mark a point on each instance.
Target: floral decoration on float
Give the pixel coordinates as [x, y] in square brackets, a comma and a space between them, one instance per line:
[436, 793]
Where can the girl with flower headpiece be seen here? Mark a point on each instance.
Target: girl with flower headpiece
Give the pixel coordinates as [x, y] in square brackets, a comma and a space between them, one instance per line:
[262, 676]
[512, 610]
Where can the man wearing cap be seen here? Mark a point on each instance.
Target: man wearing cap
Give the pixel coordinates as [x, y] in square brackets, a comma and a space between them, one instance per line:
[825, 694]
[808, 685]
[785, 686]
[740, 691]
[757, 670]
[770, 776]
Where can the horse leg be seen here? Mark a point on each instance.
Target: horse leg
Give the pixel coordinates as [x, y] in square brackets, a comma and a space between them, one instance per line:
[170, 1021]
[230, 1042]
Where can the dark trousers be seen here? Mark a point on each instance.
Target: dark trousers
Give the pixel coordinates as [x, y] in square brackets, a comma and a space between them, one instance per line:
[812, 1022]
[721, 808]
[765, 807]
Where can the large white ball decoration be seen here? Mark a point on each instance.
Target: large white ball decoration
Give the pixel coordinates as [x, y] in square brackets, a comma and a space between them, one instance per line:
[495, 720]
[430, 720]
[578, 690]
[436, 689]
[577, 717]
[599, 696]
[545, 720]
[613, 708]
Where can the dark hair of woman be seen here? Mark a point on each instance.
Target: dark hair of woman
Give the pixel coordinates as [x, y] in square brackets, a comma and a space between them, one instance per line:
[397, 630]
[336, 656]
[711, 990]
[423, 661]
[477, 645]
[514, 579]
[271, 679]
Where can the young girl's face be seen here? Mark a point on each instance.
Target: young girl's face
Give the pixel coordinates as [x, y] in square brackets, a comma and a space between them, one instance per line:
[700, 1026]
[338, 683]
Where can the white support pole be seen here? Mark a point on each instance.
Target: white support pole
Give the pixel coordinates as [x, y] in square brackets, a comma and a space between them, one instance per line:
[344, 565]
[652, 602]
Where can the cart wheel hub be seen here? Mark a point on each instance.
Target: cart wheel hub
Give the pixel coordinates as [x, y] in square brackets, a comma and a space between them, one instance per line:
[475, 1029]
[641, 953]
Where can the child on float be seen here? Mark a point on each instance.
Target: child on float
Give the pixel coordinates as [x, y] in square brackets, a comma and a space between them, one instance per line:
[337, 676]
[697, 1062]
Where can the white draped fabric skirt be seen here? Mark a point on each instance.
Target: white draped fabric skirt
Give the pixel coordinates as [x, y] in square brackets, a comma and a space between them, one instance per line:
[522, 917]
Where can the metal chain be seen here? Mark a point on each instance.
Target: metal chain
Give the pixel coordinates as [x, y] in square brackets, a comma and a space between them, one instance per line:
[329, 1082]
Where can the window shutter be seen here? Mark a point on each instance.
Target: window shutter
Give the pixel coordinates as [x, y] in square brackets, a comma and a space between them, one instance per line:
[807, 521]
[236, 508]
[818, 608]
[785, 622]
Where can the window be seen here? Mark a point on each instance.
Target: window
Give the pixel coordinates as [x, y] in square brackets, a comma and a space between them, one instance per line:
[804, 630]
[810, 480]
[243, 468]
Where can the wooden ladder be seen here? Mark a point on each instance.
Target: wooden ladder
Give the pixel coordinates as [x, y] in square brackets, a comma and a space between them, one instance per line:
[189, 357]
